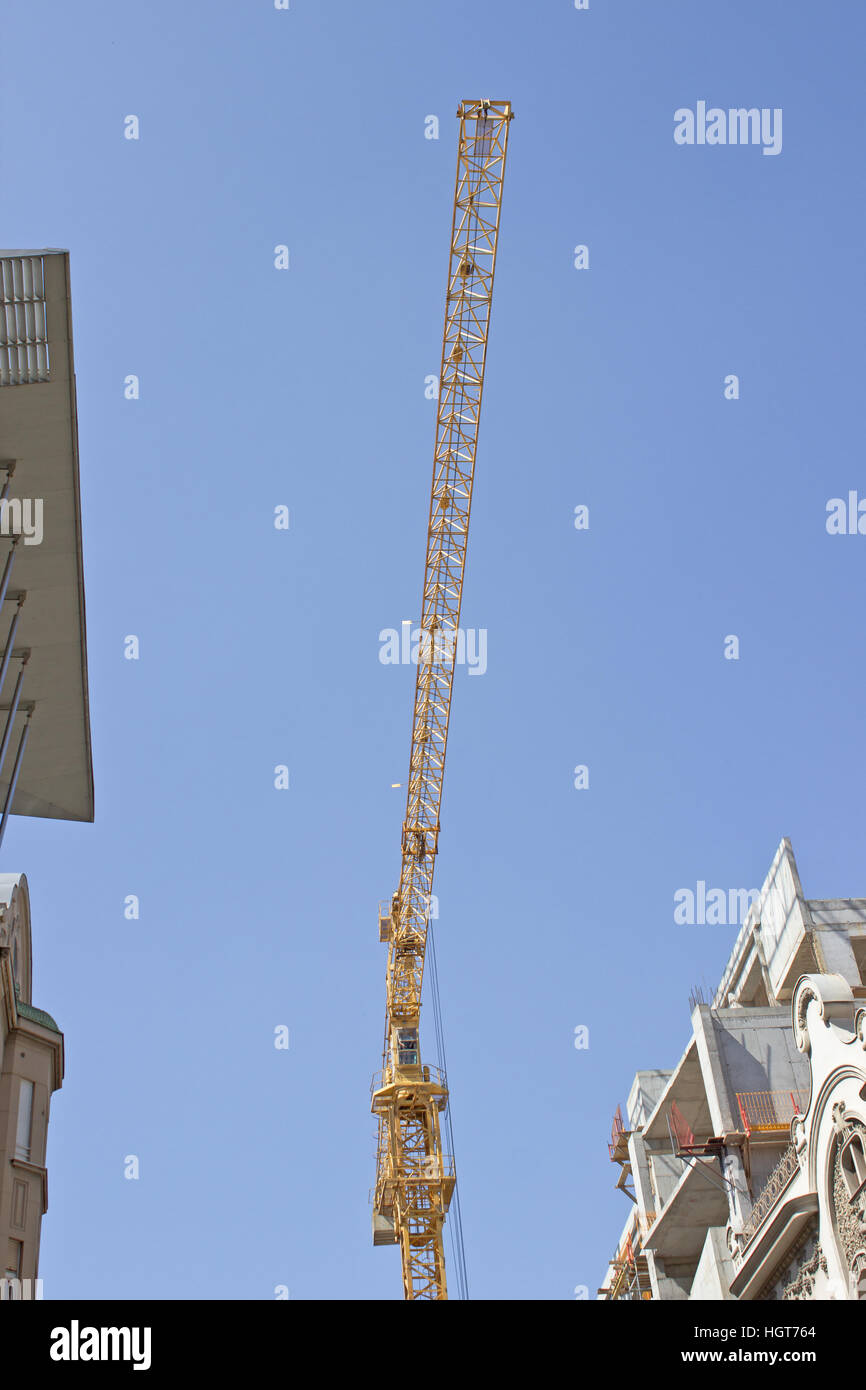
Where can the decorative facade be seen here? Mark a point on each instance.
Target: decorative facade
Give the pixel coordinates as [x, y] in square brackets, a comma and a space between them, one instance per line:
[809, 1240]
[746, 1164]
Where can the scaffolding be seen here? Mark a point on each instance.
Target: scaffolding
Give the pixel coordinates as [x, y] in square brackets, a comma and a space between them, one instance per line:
[630, 1278]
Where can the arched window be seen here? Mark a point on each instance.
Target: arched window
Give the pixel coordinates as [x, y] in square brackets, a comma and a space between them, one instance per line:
[853, 1164]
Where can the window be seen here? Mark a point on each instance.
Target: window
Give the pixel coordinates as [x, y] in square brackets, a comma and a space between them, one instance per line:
[14, 1256]
[407, 1047]
[23, 331]
[854, 1164]
[25, 1120]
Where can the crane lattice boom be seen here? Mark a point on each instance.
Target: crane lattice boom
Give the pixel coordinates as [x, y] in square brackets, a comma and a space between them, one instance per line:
[414, 1178]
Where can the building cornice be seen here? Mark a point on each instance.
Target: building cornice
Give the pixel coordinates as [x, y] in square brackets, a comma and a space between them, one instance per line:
[46, 1037]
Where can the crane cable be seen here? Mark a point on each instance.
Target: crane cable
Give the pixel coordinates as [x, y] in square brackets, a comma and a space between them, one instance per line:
[455, 1225]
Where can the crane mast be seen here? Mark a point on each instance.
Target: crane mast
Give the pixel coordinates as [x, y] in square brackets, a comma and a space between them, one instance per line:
[415, 1179]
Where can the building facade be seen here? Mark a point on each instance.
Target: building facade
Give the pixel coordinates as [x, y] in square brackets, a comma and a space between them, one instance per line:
[45, 753]
[745, 1165]
[31, 1070]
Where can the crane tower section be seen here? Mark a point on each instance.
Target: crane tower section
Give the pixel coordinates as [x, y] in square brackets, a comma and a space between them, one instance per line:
[414, 1178]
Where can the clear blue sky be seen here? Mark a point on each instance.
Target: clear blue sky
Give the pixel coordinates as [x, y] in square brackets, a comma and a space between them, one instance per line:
[258, 647]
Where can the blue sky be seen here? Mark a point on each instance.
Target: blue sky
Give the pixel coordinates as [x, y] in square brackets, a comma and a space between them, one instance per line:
[305, 387]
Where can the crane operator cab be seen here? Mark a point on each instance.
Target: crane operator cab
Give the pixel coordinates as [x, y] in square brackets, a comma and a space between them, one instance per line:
[406, 1054]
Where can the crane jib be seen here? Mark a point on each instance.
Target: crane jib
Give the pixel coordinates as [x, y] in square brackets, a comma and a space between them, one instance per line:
[415, 1177]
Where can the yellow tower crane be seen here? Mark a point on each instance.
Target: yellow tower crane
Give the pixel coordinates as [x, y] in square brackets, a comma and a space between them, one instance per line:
[414, 1178]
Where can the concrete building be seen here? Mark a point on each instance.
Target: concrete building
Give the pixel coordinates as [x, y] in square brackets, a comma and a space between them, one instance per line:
[45, 754]
[745, 1164]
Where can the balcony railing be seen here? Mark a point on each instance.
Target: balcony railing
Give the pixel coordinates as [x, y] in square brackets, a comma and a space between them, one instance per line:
[773, 1188]
[618, 1146]
[765, 1111]
[431, 1073]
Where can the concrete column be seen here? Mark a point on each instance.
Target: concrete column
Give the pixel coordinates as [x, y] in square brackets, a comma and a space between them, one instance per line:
[835, 955]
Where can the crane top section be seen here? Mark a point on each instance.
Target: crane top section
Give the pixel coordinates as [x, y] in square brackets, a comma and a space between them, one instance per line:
[482, 144]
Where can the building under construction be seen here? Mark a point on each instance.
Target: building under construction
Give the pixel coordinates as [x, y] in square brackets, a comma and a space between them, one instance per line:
[745, 1166]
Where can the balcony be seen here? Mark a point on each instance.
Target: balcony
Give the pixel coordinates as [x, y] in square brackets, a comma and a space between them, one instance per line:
[768, 1112]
